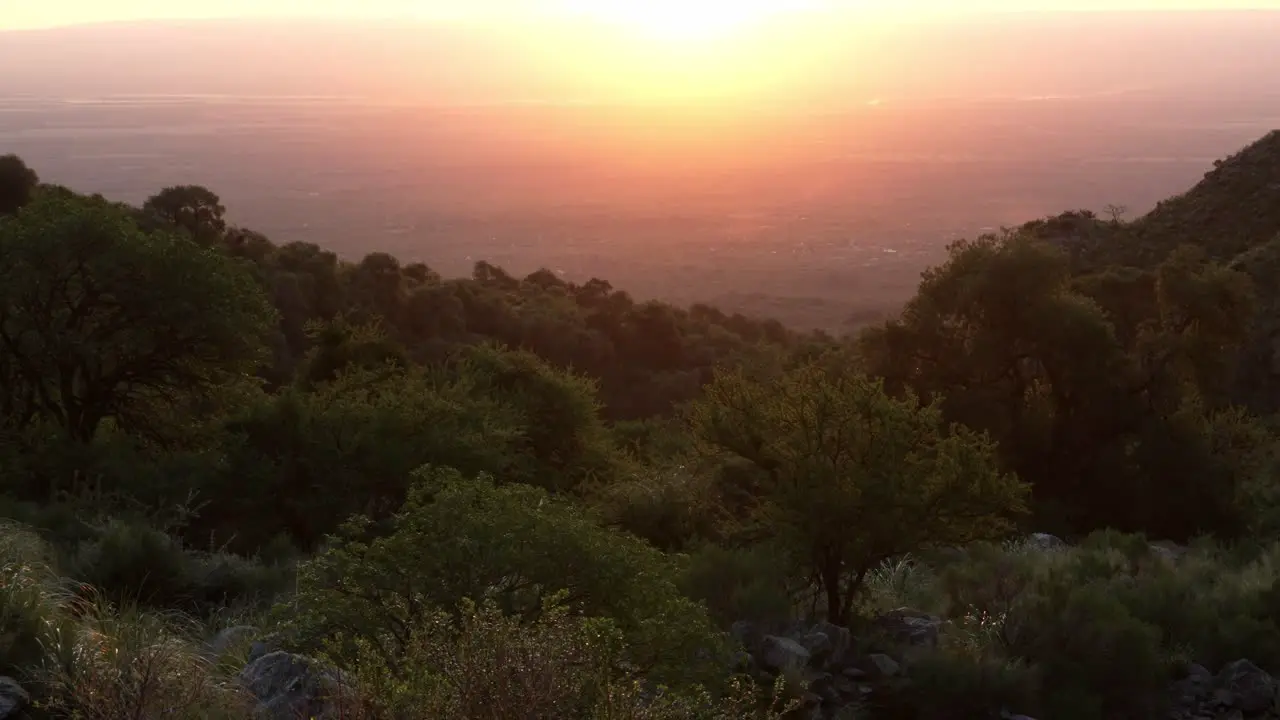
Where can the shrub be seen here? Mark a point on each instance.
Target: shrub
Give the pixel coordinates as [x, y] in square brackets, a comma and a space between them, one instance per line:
[131, 664]
[749, 583]
[131, 562]
[29, 600]
[480, 662]
[671, 508]
[958, 686]
[460, 538]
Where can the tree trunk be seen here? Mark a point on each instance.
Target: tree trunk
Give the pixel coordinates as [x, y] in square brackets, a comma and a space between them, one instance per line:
[829, 564]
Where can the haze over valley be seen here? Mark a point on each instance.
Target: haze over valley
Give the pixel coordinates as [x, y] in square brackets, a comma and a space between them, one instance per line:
[817, 201]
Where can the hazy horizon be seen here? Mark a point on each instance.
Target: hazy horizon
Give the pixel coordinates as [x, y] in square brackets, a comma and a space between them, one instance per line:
[790, 171]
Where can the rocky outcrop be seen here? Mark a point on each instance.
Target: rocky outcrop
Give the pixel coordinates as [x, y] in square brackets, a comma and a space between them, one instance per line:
[839, 677]
[290, 686]
[13, 699]
[1240, 691]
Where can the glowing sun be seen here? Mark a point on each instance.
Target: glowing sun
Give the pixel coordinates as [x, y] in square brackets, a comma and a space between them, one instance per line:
[686, 20]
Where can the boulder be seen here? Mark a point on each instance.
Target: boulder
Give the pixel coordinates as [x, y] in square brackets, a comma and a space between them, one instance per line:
[13, 698]
[839, 639]
[1251, 689]
[263, 646]
[290, 686]
[1046, 542]
[782, 653]
[910, 628]
[879, 665]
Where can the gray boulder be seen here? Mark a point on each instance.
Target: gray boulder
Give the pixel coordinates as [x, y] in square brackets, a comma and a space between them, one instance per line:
[1046, 542]
[839, 640]
[12, 698]
[782, 653]
[878, 665]
[1252, 689]
[910, 628]
[289, 686]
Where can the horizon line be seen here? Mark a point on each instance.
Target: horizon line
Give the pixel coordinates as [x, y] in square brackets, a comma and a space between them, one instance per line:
[453, 21]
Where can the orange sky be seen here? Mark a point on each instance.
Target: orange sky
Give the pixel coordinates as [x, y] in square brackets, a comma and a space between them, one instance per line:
[18, 14]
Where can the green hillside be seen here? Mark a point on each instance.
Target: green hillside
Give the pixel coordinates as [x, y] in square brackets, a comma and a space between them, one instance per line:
[242, 479]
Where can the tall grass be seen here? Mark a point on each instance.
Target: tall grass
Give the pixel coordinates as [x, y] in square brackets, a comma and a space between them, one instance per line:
[86, 658]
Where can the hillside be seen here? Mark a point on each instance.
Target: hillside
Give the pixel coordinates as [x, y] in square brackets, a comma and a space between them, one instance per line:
[248, 479]
[1236, 207]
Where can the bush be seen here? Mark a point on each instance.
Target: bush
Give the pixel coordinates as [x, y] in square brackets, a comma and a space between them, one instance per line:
[735, 584]
[671, 508]
[459, 538]
[1103, 661]
[130, 562]
[480, 662]
[131, 664]
[958, 686]
[30, 599]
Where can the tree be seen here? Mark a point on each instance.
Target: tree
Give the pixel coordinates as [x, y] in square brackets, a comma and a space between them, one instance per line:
[1116, 212]
[193, 208]
[853, 477]
[17, 184]
[1085, 382]
[100, 320]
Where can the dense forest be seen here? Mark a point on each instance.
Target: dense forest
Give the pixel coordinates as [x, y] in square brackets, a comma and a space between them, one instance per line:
[243, 479]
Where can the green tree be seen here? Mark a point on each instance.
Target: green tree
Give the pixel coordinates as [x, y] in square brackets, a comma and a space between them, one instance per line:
[564, 443]
[17, 184]
[100, 320]
[853, 477]
[192, 208]
[302, 462]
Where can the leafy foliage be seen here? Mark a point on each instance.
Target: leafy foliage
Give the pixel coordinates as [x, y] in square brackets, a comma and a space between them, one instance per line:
[853, 477]
[514, 545]
[100, 320]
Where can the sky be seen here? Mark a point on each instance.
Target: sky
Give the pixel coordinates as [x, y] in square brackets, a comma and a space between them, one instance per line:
[21, 14]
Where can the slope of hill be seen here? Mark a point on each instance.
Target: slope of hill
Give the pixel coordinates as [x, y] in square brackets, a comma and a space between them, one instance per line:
[1235, 208]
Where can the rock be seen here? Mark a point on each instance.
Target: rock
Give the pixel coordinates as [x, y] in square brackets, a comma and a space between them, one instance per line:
[1167, 551]
[1046, 542]
[1250, 687]
[781, 653]
[12, 698]
[818, 644]
[910, 627]
[879, 665]
[264, 646]
[840, 641]
[854, 673]
[292, 686]
[1194, 690]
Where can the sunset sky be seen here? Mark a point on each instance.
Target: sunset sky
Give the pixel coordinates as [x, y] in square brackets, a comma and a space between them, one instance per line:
[18, 14]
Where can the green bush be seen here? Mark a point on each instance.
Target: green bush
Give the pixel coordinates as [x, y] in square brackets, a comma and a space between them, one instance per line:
[30, 600]
[671, 507]
[749, 583]
[458, 538]
[480, 662]
[131, 562]
[958, 686]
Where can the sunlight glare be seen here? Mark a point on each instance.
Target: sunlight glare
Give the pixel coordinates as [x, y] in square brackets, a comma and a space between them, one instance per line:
[686, 20]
